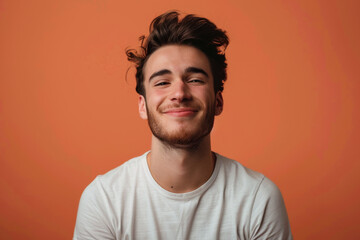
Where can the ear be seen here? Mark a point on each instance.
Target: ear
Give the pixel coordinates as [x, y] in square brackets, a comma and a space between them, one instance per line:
[219, 104]
[142, 107]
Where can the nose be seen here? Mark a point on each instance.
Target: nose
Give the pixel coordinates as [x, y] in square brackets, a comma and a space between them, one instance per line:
[180, 91]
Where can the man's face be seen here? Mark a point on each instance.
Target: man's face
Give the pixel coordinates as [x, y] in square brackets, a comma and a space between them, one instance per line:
[180, 102]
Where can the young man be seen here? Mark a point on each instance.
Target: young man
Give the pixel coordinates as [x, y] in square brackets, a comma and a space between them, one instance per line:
[180, 189]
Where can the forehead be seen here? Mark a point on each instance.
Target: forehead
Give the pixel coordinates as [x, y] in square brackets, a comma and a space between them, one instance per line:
[176, 58]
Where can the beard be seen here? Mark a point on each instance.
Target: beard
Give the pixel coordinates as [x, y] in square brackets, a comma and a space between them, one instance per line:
[182, 136]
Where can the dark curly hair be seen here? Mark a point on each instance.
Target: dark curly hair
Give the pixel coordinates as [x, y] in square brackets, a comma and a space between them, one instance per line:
[191, 30]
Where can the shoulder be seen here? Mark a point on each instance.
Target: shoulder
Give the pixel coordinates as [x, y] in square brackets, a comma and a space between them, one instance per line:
[115, 179]
[246, 179]
[98, 201]
[237, 175]
[268, 189]
[125, 172]
[269, 217]
[259, 198]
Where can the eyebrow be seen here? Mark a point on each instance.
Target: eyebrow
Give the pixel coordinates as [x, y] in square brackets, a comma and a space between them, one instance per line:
[187, 70]
[159, 73]
[196, 70]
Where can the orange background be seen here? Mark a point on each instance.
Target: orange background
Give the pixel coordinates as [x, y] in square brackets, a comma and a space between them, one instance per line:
[67, 113]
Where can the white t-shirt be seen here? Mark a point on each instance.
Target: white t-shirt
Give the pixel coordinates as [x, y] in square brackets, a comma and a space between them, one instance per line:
[235, 203]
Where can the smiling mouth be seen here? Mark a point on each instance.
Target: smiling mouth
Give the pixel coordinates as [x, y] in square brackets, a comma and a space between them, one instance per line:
[181, 112]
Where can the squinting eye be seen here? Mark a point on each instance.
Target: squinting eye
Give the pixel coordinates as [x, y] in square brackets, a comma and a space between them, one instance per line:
[161, 83]
[196, 81]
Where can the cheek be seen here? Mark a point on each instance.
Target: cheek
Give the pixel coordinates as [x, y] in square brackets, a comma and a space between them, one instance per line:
[154, 99]
[205, 95]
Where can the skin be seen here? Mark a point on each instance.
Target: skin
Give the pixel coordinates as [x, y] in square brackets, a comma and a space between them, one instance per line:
[180, 106]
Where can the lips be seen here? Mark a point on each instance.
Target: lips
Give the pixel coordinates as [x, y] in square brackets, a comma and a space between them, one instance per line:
[180, 112]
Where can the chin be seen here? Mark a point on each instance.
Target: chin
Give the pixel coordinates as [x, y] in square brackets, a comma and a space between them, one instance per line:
[184, 135]
[183, 138]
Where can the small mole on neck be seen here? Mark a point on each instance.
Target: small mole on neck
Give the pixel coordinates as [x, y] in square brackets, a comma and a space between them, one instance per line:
[172, 186]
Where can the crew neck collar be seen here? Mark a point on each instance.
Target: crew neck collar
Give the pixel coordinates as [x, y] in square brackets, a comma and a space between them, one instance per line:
[187, 195]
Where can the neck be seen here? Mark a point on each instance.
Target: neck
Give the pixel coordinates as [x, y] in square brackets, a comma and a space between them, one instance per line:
[181, 169]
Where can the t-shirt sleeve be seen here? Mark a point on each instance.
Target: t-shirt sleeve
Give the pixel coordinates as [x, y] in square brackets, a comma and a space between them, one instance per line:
[92, 221]
[269, 219]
